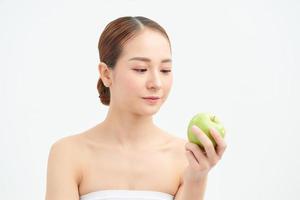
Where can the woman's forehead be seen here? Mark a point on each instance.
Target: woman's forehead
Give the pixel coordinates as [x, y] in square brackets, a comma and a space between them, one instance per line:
[148, 39]
[148, 46]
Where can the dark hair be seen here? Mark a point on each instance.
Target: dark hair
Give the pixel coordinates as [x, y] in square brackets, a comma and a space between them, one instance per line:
[112, 40]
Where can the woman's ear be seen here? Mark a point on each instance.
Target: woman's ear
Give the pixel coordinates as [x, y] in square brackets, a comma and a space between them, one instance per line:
[105, 74]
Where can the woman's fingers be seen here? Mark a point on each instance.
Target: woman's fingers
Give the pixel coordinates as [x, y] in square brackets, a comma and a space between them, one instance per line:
[191, 158]
[221, 144]
[208, 145]
[196, 151]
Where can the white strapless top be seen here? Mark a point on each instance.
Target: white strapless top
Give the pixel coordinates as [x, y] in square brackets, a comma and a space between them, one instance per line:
[120, 194]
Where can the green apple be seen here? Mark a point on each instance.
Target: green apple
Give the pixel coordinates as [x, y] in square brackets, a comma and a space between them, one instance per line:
[205, 121]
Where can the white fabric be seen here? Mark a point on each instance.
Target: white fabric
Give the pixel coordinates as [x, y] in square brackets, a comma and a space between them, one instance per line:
[126, 195]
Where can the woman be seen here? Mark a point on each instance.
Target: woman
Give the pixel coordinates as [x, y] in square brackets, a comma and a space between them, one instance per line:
[127, 155]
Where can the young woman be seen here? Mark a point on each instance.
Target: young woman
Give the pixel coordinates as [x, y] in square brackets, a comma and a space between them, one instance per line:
[127, 156]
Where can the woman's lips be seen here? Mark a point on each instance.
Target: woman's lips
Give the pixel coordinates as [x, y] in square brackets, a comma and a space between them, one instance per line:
[151, 100]
[151, 97]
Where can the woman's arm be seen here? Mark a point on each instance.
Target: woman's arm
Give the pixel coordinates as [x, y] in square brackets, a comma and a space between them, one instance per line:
[62, 172]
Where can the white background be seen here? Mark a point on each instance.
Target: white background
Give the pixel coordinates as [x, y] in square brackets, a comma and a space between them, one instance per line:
[236, 59]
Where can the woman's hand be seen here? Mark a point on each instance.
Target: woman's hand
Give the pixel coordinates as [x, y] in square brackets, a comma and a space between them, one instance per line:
[202, 160]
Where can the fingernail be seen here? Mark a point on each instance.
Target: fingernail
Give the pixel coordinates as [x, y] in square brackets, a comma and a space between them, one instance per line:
[194, 128]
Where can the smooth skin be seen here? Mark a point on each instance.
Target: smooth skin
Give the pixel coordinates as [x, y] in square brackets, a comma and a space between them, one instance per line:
[75, 163]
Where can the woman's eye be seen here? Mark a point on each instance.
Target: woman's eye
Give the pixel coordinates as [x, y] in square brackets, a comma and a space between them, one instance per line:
[166, 71]
[140, 70]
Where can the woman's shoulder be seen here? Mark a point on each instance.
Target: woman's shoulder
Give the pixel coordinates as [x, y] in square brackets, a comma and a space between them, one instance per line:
[178, 142]
[179, 155]
[178, 147]
[63, 159]
[70, 142]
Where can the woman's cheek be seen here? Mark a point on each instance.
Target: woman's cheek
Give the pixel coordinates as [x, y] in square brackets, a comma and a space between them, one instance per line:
[131, 83]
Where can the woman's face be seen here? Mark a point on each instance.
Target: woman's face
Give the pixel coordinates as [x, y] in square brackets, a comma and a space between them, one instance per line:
[144, 69]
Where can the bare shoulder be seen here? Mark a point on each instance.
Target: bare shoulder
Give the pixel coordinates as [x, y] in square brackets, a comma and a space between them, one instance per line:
[178, 143]
[177, 146]
[178, 151]
[63, 169]
[72, 146]
[68, 144]
[65, 141]
[67, 148]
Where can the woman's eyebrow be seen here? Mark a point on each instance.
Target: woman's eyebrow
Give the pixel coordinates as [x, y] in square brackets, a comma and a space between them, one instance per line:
[148, 60]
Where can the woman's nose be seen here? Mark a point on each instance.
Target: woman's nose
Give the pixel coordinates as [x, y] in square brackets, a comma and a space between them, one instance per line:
[154, 81]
